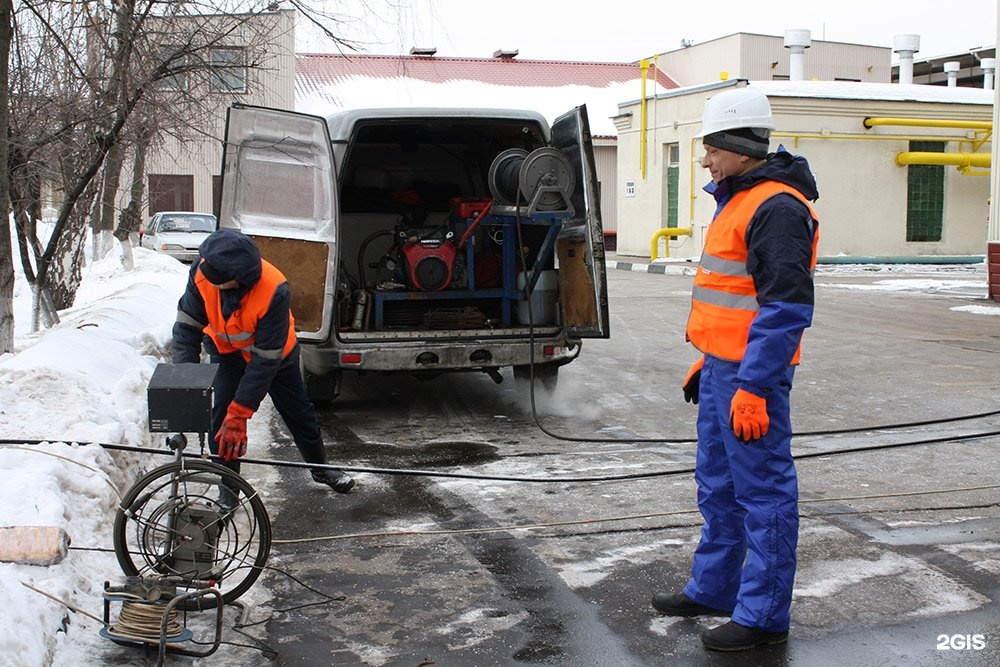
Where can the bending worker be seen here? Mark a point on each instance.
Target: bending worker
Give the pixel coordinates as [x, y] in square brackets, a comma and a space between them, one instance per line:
[238, 306]
[752, 299]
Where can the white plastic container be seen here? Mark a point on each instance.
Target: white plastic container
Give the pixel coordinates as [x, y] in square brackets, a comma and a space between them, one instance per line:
[543, 299]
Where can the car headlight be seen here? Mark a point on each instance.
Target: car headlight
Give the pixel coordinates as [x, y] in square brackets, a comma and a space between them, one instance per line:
[171, 246]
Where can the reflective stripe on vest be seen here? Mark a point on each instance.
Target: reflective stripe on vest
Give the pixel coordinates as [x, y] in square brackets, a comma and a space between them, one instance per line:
[238, 332]
[724, 299]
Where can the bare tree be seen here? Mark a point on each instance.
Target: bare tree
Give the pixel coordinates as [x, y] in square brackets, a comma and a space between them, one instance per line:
[92, 87]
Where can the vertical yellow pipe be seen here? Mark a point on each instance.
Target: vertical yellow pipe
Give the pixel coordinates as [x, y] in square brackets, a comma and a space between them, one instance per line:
[644, 66]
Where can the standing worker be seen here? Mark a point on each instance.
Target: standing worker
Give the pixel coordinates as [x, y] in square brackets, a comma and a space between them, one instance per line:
[752, 299]
[238, 306]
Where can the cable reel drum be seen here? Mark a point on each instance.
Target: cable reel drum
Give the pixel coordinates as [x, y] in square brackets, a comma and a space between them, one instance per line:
[543, 178]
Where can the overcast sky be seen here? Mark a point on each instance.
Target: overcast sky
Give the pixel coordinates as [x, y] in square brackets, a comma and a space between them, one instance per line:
[603, 31]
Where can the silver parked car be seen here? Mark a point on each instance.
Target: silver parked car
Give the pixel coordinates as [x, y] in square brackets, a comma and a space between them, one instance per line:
[178, 233]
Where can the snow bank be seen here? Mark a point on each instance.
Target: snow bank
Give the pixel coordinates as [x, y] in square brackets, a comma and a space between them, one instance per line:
[82, 381]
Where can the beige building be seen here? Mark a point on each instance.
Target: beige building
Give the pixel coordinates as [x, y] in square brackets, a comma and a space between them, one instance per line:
[872, 205]
[770, 58]
[184, 174]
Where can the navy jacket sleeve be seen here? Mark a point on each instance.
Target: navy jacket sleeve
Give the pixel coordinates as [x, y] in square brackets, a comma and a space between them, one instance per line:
[191, 319]
[266, 357]
[779, 243]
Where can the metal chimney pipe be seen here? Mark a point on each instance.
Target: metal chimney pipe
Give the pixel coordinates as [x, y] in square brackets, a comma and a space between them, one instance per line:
[951, 70]
[797, 41]
[906, 46]
[989, 66]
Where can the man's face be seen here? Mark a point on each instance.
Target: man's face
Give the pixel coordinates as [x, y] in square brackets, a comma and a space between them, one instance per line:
[722, 163]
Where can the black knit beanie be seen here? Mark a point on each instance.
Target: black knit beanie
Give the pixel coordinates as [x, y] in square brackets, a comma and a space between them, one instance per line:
[751, 141]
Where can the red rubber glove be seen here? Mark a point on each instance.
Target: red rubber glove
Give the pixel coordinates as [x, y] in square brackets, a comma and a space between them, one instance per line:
[748, 416]
[232, 436]
[693, 381]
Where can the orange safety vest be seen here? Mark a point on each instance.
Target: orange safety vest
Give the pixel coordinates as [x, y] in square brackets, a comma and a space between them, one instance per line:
[238, 333]
[724, 299]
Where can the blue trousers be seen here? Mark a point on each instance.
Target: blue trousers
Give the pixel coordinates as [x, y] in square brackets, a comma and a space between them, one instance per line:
[288, 394]
[748, 496]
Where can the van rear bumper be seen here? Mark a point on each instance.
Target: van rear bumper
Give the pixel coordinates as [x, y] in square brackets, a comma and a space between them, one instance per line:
[443, 356]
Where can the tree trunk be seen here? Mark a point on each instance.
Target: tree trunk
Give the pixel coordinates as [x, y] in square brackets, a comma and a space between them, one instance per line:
[65, 270]
[6, 247]
[127, 232]
[104, 218]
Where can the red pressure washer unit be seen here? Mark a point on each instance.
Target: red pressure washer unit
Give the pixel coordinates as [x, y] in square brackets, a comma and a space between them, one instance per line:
[429, 262]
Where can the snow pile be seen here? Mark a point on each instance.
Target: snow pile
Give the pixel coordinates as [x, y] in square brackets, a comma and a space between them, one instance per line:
[83, 380]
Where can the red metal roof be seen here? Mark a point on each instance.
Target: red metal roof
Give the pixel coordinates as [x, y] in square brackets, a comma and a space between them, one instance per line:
[317, 71]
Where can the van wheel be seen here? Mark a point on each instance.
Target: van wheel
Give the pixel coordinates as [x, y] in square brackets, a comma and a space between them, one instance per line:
[322, 389]
[545, 374]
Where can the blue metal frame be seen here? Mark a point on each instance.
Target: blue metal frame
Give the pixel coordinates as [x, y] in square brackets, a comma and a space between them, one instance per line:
[509, 292]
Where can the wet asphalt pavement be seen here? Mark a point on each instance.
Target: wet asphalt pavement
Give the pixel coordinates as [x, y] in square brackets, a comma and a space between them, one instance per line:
[899, 549]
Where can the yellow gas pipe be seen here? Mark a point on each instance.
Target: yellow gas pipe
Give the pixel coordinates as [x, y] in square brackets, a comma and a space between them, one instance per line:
[644, 68]
[960, 160]
[964, 161]
[665, 233]
[931, 122]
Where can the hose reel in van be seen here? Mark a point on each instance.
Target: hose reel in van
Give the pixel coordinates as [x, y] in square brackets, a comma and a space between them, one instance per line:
[543, 178]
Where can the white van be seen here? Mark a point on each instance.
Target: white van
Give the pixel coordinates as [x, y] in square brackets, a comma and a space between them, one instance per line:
[424, 241]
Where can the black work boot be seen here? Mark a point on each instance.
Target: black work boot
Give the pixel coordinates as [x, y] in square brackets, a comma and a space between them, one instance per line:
[337, 480]
[678, 604]
[228, 500]
[735, 637]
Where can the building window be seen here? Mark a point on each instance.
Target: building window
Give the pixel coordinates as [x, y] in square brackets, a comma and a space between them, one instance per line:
[171, 192]
[925, 195]
[176, 78]
[673, 177]
[229, 72]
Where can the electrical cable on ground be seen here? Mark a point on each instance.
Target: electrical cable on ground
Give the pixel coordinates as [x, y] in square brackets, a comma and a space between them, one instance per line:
[631, 517]
[509, 478]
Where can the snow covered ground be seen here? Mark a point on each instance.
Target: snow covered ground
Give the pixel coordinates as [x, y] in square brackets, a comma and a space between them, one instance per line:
[81, 381]
[84, 381]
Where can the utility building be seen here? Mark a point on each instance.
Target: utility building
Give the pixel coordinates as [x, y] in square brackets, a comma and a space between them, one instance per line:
[900, 167]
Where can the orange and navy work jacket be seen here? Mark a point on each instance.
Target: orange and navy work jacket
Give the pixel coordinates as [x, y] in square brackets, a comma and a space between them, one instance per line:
[724, 299]
[238, 332]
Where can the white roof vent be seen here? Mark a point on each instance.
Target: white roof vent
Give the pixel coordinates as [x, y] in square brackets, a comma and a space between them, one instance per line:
[951, 70]
[505, 55]
[797, 41]
[800, 38]
[989, 66]
[909, 43]
[906, 46]
[422, 51]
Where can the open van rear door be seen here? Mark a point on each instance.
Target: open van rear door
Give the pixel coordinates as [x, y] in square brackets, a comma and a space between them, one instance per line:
[279, 187]
[580, 246]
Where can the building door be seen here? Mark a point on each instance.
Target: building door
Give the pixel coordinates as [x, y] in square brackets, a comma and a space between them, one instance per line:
[171, 192]
[671, 177]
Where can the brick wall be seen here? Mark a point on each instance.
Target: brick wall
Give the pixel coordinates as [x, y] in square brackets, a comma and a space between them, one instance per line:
[993, 254]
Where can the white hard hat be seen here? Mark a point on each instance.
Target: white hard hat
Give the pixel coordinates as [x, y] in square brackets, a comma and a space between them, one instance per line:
[736, 108]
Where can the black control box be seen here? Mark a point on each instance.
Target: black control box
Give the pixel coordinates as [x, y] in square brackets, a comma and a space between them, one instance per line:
[180, 398]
